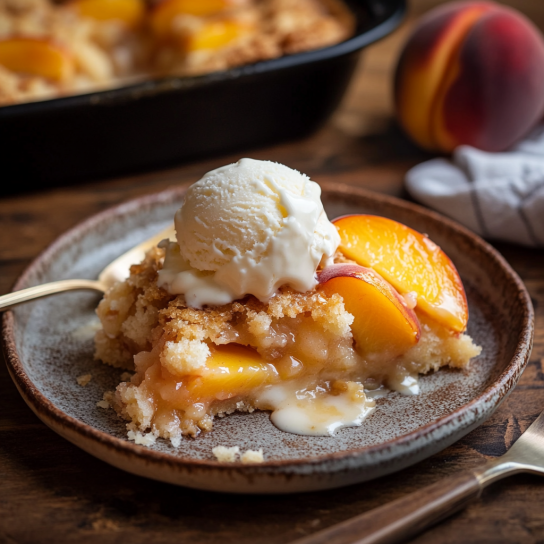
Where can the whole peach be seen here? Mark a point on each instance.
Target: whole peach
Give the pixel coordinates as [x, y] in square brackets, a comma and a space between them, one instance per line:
[471, 73]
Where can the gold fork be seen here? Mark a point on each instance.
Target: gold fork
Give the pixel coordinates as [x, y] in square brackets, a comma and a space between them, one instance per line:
[117, 270]
[408, 516]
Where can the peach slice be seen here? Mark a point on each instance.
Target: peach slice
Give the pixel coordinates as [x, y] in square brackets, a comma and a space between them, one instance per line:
[214, 35]
[163, 15]
[130, 12]
[37, 57]
[231, 369]
[383, 322]
[410, 262]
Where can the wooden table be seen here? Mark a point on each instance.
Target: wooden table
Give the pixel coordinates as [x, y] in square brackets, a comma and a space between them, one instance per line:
[52, 492]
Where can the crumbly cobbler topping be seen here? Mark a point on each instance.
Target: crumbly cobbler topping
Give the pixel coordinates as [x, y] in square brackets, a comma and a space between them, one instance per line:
[136, 314]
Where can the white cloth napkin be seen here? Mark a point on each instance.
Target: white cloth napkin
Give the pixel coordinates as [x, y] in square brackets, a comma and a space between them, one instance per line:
[498, 195]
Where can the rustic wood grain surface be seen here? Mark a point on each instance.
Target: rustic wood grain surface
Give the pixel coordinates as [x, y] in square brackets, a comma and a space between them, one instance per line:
[52, 492]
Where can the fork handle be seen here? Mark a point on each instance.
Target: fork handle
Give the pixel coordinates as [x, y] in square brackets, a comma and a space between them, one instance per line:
[46, 289]
[399, 520]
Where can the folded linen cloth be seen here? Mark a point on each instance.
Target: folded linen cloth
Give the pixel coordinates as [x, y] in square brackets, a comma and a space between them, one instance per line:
[498, 195]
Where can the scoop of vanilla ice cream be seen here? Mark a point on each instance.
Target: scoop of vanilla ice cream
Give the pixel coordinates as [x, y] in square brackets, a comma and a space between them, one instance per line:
[248, 228]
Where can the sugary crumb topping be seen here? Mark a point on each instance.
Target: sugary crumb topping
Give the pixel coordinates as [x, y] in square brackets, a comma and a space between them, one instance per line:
[251, 456]
[184, 356]
[106, 401]
[226, 455]
[146, 439]
[230, 455]
[84, 380]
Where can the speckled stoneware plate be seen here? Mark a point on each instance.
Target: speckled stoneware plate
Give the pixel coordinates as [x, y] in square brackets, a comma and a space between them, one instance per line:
[49, 344]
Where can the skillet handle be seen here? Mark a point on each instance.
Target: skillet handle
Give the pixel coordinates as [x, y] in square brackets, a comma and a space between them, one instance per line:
[397, 521]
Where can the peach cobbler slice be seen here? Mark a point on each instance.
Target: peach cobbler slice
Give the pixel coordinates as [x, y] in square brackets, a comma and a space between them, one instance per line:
[377, 318]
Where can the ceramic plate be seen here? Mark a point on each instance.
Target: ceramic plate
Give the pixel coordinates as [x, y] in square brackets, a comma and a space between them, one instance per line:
[49, 344]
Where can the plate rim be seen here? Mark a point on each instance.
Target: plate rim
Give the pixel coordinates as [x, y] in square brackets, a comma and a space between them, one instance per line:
[40, 404]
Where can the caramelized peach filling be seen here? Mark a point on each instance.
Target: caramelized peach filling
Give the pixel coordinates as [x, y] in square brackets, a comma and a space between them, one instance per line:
[165, 12]
[129, 12]
[215, 34]
[38, 57]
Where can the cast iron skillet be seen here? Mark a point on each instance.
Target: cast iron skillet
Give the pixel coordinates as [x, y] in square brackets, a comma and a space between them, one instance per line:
[163, 122]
